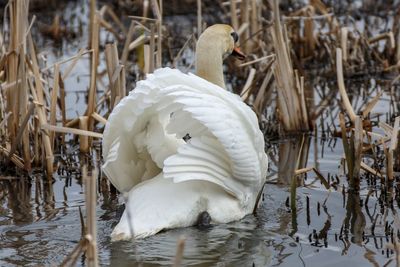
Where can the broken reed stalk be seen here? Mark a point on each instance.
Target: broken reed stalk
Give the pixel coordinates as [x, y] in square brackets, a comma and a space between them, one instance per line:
[146, 55]
[342, 88]
[387, 35]
[88, 242]
[289, 93]
[370, 105]
[99, 118]
[91, 200]
[72, 258]
[309, 31]
[247, 86]
[84, 140]
[106, 25]
[263, 94]
[53, 103]
[179, 252]
[94, 28]
[116, 75]
[353, 150]
[92, 11]
[344, 32]
[74, 59]
[125, 50]
[68, 130]
[152, 48]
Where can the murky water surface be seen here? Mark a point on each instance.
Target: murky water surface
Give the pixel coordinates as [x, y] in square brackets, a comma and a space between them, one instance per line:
[40, 225]
[329, 228]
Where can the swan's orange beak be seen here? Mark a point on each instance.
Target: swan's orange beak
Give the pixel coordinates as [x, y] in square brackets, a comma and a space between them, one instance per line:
[238, 54]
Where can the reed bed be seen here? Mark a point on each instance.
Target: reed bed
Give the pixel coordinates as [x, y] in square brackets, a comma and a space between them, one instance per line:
[282, 53]
[291, 53]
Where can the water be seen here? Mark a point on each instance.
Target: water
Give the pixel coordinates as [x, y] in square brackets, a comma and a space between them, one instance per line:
[40, 227]
[40, 224]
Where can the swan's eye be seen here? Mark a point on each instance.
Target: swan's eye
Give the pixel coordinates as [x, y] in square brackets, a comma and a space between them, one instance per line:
[235, 36]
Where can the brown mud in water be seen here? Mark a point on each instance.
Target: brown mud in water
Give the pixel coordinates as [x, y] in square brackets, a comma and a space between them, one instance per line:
[331, 196]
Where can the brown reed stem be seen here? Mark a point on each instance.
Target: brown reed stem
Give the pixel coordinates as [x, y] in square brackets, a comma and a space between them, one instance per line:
[115, 73]
[160, 37]
[152, 48]
[93, 74]
[179, 252]
[91, 200]
[68, 130]
[72, 258]
[53, 102]
[125, 50]
[342, 88]
[83, 140]
[199, 19]
[22, 129]
[287, 83]
[358, 145]
[41, 112]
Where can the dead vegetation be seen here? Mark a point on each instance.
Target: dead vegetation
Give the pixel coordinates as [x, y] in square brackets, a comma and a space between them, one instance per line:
[283, 51]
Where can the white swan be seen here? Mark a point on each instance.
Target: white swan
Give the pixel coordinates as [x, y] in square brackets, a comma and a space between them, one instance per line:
[170, 181]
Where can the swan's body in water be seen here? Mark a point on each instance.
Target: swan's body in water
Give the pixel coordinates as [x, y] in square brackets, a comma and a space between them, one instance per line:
[220, 167]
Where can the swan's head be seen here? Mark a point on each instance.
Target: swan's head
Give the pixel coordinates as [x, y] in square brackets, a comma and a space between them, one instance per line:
[215, 44]
[220, 37]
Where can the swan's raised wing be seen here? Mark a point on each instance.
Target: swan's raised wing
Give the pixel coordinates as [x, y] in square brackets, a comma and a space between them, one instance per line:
[145, 132]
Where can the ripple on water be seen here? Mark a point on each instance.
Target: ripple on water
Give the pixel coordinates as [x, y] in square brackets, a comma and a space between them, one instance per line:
[234, 243]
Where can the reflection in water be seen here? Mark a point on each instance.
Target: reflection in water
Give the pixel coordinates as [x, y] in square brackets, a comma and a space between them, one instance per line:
[32, 229]
[355, 219]
[293, 154]
[19, 201]
[236, 244]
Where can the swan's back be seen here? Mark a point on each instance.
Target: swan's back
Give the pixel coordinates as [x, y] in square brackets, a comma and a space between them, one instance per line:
[145, 136]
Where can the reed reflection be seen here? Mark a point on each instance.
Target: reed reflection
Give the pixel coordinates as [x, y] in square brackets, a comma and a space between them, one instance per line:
[19, 201]
[293, 155]
[354, 222]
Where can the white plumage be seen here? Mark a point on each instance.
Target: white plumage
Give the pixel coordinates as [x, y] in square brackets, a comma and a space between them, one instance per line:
[169, 181]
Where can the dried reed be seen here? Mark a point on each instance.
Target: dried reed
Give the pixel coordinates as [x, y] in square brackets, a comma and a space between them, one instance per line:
[290, 91]
[88, 242]
[179, 252]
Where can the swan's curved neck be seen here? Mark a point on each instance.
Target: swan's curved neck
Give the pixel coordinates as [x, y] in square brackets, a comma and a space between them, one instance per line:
[209, 62]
